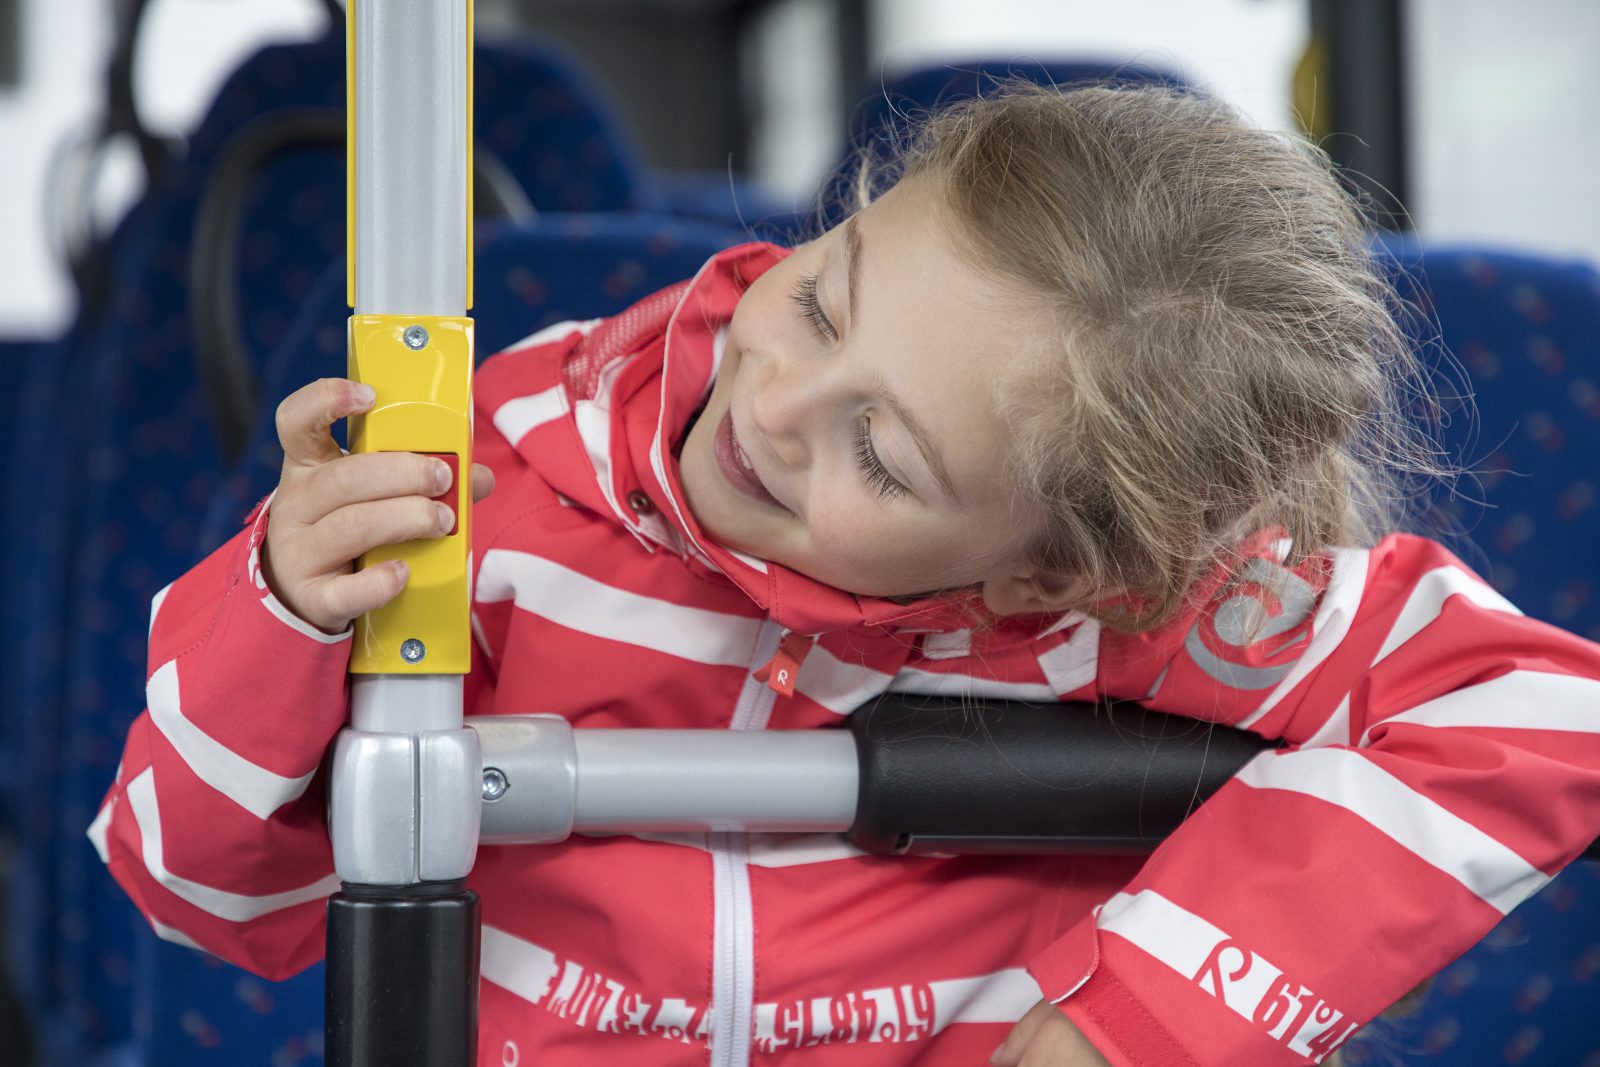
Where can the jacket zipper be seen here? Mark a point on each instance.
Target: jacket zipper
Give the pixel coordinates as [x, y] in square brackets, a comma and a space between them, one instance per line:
[733, 941]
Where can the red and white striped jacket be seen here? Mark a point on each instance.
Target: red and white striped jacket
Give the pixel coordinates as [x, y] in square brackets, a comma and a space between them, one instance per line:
[1444, 763]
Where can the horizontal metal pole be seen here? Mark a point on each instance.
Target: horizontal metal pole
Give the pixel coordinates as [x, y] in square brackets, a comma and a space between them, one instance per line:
[910, 774]
[789, 780]
[545, 780]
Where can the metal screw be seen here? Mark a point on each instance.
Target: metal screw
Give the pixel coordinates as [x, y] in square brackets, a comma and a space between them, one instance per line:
[412, 650]
[494, 784]
[416, 337]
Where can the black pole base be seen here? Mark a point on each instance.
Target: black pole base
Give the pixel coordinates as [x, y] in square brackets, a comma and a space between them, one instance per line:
[402, 976]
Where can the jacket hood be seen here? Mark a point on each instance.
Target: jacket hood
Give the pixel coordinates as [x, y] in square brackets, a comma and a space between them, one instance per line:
[633, 385]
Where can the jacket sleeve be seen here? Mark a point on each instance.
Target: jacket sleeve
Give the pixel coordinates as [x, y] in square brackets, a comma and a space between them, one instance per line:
[215, 823]
[1443, 763]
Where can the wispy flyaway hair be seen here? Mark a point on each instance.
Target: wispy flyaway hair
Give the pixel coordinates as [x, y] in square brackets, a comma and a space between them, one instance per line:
[1226, 355]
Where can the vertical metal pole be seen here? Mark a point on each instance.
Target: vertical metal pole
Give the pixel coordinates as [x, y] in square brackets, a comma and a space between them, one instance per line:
[404, 798]
[412, 234]
[1366, 57]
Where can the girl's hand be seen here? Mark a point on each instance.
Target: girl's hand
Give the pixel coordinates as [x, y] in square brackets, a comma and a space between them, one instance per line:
[332, 507]
[1046, 1038]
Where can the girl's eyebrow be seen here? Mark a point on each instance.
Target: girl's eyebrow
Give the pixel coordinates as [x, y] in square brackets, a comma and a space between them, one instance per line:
[852, 258]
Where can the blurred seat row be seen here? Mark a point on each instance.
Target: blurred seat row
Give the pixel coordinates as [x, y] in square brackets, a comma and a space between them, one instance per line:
[145, 435]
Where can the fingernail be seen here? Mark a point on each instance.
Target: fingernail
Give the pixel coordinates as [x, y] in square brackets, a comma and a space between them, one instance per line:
[995, 1055]
[441, 474]
[447, 518]
[401, 570]
[365, 394]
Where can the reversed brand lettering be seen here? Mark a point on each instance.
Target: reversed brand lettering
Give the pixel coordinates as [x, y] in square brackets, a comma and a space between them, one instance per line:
[890, 1014]
[1288, 1011]
[592, 999]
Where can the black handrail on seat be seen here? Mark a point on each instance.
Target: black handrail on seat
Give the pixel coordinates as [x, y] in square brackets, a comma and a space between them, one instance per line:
[946, 775]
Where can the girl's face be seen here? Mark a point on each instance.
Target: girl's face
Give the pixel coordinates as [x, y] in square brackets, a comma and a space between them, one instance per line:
[854, 432]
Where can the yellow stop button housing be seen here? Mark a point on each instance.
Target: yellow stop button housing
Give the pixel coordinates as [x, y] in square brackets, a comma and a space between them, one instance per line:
[421, 369]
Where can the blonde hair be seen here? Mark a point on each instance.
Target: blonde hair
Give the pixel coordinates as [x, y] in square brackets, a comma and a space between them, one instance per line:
[1228, 357]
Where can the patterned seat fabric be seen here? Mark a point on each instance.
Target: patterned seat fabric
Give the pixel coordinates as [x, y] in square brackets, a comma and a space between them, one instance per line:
[51, 953]
[1524, 331]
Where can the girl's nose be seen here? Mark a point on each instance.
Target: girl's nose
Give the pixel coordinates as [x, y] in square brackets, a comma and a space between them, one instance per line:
[783, 409]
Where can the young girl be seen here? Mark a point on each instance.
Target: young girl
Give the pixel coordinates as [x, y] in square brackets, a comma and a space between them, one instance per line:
[1094, 399]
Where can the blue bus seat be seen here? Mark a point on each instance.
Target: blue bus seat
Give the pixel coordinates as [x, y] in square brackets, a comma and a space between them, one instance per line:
[47, 440]
[1523, 330]
[879, 116]
[886, 109]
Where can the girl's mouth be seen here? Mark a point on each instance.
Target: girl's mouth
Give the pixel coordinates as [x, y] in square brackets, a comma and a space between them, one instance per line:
[735, 465]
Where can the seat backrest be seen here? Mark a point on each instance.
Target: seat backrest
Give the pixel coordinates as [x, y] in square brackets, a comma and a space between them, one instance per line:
[271, 210]
[1519, 331]
[53, 953]
[887, 109]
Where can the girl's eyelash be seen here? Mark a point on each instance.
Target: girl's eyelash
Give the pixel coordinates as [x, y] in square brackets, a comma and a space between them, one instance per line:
[878, 476]
[805, 295]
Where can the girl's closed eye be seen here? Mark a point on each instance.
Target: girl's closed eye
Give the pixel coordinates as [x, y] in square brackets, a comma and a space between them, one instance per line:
[805, 295]
[878, 476]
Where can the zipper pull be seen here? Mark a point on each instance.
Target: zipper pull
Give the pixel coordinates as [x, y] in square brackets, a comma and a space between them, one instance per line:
[781, 670]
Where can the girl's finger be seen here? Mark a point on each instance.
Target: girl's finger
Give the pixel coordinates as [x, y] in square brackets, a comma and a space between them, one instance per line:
[331, 543]
[360, 477]
[482, 481]
[346, 596]
[1009, 1054]
[304, 417]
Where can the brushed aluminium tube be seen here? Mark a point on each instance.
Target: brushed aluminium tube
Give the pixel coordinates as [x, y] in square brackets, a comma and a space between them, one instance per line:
[660, 780]
[411, 94]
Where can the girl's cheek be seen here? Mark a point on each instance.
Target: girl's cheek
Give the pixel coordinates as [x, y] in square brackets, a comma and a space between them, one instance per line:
[847, 526]
[758, 317]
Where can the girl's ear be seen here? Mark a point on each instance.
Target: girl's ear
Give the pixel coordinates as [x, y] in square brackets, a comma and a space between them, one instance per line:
[1031, 592]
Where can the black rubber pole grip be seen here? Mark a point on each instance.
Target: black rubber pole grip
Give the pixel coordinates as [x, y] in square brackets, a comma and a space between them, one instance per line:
[949, 775]
[402, 976]
[943, 774]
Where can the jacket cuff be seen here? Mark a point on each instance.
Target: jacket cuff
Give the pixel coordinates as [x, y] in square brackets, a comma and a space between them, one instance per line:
[1076, 977]
[257, 521]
